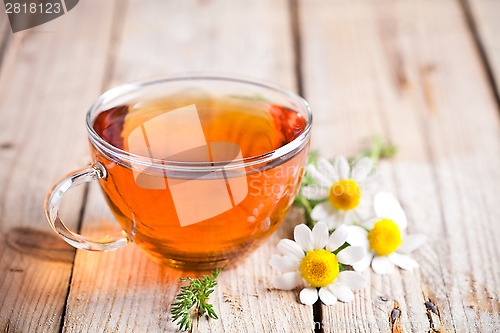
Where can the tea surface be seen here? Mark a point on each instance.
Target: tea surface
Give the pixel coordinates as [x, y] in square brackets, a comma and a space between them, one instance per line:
[199, 218]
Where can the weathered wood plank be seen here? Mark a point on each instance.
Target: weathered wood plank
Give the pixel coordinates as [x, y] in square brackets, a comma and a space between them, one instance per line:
[486, 22]
[340, 81]
[41, 138]
[124, 290]
[5, 34]
[399, 68]
[206, 36]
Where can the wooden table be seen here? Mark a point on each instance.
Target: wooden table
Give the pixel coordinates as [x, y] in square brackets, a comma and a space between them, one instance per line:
[423, 73]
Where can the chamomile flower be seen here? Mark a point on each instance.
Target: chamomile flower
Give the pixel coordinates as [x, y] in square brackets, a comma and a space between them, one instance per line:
[384, 239]
[346, 191]
[312, 259]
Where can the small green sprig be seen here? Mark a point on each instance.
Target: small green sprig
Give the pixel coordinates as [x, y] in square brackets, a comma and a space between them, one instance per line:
[300, 200]
[379, 149]
[192, 300]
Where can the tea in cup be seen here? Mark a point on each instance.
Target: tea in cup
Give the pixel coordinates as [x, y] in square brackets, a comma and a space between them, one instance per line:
[198, 171]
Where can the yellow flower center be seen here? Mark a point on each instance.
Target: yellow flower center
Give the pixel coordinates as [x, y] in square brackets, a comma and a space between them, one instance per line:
[385, 237]
[319, 268]
[345, 194]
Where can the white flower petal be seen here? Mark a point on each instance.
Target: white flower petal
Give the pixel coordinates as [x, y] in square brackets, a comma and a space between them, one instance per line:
[383, 202]
[326, 296]
[382, 265]
[342, 292]
[322, 211]
[319, 235]
[366, 201]
[351, 255]
[342, 167]
[364, 263]
[338, 238]
[353, 280]
[320, 179]
[370, 223]
[291, 249]
[399, 217]
[303, 236]
[327, 169]
[283, 263]
[287, 281]
[308, 296]
[372, 181]
[364, 209]
[411, 242]
[348, 217]
[357, 236]
[331, 221]
[315, 192]
[403, 261]
[386, 205]
[361, 169]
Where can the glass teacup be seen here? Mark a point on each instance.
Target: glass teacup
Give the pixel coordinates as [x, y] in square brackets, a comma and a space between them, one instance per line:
[198, 171]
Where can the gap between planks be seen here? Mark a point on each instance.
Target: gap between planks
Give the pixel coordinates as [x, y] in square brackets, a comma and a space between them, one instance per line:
[439, 274]
[116, 35]
[4, 41]
[481, 49]
[293, 9]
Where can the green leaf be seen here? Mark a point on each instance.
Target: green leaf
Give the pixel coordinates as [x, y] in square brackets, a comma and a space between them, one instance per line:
[378, 149]
[192, 299]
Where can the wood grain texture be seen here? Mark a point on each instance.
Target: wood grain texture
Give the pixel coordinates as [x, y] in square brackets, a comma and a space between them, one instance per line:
[485, 19]
[124, 291]
[49, 75]
[206, 36]
[410, 71]
[5, 34]
[118, 291]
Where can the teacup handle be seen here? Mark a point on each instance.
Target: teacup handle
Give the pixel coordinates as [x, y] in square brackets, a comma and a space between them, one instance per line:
[53, 201]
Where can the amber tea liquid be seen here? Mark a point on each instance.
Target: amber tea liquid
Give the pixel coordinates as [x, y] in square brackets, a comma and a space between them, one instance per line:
[196, 219]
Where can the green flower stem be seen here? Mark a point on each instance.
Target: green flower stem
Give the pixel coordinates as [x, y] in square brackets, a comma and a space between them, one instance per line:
[379, 149]
[303, 202]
